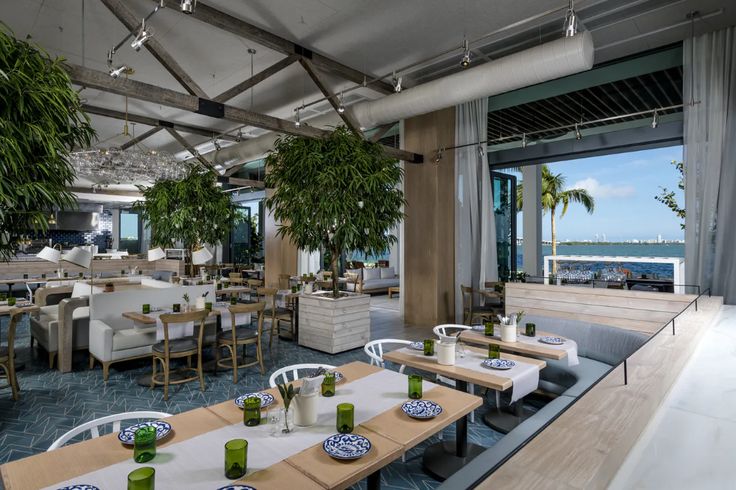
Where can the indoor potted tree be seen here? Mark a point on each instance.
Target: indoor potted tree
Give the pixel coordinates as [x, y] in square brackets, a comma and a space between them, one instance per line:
[193, 211]
[336, 194]
[40, 123]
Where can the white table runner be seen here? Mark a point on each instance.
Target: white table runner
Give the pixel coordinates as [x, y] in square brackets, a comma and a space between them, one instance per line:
[525, 376]
[225, 316]
[199, 462]
[176, 330]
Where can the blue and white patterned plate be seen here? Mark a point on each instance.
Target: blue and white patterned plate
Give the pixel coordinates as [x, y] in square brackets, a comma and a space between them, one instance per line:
[419, 345]
[552, 340]
[80, 486]
[266, 399]
[346, 446]
[421, 409]
[501, 364]
[237, 487]
[127, 436]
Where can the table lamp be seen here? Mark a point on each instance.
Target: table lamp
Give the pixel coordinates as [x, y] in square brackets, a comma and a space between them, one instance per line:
[156, 254]
[200, 257]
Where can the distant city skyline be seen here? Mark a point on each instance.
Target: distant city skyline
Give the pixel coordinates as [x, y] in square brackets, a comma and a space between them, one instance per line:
[624, 186]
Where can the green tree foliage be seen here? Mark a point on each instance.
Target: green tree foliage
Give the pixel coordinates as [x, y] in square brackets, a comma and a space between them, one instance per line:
[555, 195]
[40, 123]
[667, 197]
[334, 194]
[193, 211]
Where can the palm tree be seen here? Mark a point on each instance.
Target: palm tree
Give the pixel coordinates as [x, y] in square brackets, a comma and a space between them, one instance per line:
[554, 194]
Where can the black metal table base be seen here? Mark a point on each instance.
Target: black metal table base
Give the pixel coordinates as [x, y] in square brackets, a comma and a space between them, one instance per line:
[374, 480]
[441, 461]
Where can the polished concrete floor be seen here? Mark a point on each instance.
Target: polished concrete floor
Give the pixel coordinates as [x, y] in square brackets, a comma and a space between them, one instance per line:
[691, 441]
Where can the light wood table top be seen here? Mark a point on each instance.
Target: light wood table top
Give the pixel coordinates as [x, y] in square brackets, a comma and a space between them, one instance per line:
[5, 309]
[531, 349]
[234, 290]
[144, 319]
[390, 432]
[493, 379]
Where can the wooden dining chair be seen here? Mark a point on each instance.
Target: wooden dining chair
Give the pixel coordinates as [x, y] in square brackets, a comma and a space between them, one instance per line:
[7, 353]
[472, 308]
[235, 278]
[272, 312]
[167, 350]
[284, 281]
[241, 335]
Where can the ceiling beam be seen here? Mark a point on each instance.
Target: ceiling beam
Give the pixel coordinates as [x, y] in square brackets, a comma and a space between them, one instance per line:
[226, 22]
[347, 118]
[140, 138]
[104, 190]
[132, 23]
[258, 184]
[144, 91]
[190, 148]
[150, 121]
[381, 131]
[255, 79]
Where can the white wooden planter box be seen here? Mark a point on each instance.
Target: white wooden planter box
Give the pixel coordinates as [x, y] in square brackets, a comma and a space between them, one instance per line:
[334, 325]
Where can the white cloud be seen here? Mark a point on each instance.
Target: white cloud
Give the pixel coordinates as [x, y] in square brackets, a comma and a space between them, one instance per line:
[603, 191]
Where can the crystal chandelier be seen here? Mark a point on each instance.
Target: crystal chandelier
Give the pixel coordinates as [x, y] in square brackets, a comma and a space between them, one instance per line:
[135, 165]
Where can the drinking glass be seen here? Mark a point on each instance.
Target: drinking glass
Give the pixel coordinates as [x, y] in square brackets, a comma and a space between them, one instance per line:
[146, 308]
[415, 386]
[81, 275]
[345, 421]
[460, 350]
[11, 300]
[144, 444]
[3, 296]
[328, 384]
[66, 274]
[494, 351]
[531, 330]
[488, 329]
[43, 276]
[208, 306]
[142, 479]
[25, 276]
[252, 411]
[233, 300]
[236, 458]
[429, 347]
[177, 307]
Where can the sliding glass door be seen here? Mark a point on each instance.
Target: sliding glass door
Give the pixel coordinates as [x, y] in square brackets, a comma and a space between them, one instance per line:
[504, 212]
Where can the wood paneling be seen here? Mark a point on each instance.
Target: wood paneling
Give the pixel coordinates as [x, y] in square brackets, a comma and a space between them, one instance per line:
[281, 254]
[429, 227]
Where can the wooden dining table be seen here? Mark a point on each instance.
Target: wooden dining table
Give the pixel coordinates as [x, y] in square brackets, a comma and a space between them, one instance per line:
[390, 432]
[530, 349]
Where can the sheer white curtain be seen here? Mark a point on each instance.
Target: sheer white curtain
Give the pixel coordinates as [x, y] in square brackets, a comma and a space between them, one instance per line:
[710, 162]
[475, 228]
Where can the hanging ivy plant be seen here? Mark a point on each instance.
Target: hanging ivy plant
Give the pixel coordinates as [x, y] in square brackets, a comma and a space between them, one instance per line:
[40, 123]
[336, 194]
[193, 211]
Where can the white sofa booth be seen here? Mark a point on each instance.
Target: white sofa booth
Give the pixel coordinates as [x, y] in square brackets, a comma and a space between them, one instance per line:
[113, 338]
[371, 280]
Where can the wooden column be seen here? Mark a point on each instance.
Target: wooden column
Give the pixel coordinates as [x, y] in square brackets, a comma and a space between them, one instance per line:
[429, 228]
[281, 254]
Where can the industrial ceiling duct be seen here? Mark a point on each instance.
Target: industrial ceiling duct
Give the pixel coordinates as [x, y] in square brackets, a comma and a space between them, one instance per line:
[556, 59]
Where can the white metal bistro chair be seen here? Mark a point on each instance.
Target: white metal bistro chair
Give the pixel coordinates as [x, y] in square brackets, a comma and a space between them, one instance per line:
[374, 350]
[446, 330]
[93, 426]
[294, 369]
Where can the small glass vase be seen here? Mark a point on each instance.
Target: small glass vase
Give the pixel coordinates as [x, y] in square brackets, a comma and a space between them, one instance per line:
[281, 422]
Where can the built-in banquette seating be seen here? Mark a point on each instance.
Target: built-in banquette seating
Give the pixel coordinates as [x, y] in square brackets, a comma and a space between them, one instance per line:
[113, 338]
[561, 310]
[371, 280]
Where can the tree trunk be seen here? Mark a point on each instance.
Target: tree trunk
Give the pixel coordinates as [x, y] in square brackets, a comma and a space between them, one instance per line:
[335, 269]
[554, 239]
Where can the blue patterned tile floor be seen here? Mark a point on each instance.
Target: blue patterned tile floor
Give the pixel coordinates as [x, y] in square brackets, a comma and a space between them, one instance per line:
[51, 403]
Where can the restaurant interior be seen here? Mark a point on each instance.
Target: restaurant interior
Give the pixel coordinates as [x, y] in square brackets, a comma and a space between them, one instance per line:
[274, 244]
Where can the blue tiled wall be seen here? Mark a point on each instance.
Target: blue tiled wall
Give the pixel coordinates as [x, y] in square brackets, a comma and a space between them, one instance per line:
[98, 237]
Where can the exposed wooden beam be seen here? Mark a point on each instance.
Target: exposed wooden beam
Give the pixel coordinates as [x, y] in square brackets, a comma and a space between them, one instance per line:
[190, 148]
[132, 22]
[381, 131]
[255, 79]
[150, 121]
[221, 20]
[347, 118]
[151, 93]
[140, 138]
[258, 184]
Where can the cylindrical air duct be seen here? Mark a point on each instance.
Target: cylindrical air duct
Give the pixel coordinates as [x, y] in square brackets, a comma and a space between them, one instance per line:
[559, 58]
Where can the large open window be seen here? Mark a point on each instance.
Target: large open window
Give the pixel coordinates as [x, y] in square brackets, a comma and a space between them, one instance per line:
[130, 231]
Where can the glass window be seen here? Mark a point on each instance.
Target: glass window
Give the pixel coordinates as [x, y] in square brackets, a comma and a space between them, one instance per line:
[130, 232]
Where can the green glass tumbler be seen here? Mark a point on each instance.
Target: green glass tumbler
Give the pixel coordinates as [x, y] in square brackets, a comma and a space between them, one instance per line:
[43, 276]
[415, 386]
[494, 351]
[429, 347]
[233, 300]
[328, 384]
[488, 329]
[208, 306]
[252, 411]
[236, 458]
[144, 444]
[146, 308]
[81, 275]
[345, 418]
[142, 479]
[66, 274]
[11, 300]
[531, 330]
[177, 307]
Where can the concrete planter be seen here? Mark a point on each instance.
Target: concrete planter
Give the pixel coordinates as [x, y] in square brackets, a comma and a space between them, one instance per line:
[334, 325]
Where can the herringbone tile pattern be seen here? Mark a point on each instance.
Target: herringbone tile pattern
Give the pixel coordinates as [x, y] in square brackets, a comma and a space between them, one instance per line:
[51, 403]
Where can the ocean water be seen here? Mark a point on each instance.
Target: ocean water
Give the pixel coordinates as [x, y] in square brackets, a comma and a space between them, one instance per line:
[625, 249]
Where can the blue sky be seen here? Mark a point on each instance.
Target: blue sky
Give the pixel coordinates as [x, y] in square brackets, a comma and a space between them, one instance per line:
[624, 186]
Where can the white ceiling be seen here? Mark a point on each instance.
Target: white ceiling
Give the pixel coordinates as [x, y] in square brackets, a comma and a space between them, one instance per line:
[375, 36]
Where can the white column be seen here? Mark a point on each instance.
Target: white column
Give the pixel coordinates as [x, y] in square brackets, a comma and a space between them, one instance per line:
[532, 226]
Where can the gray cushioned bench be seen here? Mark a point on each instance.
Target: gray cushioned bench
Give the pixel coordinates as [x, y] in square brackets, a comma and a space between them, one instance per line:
[599, 348]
